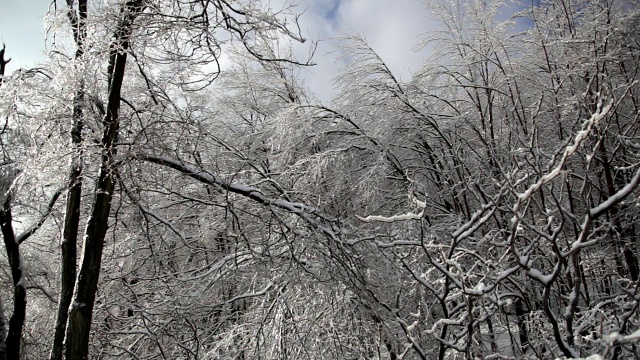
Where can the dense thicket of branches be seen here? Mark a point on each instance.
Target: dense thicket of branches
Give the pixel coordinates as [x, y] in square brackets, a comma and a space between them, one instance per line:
[485, 209]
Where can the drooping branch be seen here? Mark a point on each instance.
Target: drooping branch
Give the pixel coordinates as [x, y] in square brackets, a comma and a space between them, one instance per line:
[247, 191]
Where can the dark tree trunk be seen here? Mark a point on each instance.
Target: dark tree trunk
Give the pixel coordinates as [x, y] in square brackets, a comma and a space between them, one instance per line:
[81, 310]
[522, 326]
[3, 63]
[632, 263]
[16, 323]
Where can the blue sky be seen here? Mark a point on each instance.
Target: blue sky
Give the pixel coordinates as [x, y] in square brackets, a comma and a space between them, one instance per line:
[22, 30]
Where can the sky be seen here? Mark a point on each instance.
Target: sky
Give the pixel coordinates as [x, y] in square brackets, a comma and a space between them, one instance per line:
[22, 31]
[391, 28]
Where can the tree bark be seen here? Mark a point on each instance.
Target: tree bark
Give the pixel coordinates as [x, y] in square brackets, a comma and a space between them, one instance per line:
[81, 311]
[16, 323]
[3, 332]
[522, 326]
[3, 321]
[72, 213]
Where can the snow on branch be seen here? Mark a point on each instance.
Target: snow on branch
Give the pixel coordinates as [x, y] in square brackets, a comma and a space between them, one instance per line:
[393, 218]
[615, 339]
[617, 197]
[580, 137]
[601, 209]
[401, 217]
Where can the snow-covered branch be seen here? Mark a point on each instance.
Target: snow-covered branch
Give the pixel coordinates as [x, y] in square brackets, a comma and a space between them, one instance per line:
[617, 197]
[401, 217]
[33, 228]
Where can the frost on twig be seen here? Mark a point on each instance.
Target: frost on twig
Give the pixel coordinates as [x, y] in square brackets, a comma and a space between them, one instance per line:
[612, 340]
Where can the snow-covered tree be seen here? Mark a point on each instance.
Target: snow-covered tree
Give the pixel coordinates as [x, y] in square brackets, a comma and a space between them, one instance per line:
[484, 209]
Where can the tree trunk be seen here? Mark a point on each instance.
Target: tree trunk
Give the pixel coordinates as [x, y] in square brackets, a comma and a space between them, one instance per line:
[81, 311]
[3, 321]
[3, 63]
[3, 332]
[522, 326]
[623, 238]
[72, 214]
[16, 323]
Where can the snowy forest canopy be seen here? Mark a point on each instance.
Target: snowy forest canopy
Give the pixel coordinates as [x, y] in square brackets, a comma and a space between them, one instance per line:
[161, 203]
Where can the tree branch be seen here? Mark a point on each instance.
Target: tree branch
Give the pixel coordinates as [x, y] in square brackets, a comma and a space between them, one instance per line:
[33, 228]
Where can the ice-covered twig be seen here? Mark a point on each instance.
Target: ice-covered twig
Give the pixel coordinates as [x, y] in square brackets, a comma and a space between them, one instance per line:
[393, 218]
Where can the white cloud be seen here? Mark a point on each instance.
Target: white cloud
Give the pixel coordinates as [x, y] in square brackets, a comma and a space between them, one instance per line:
[392, 29]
